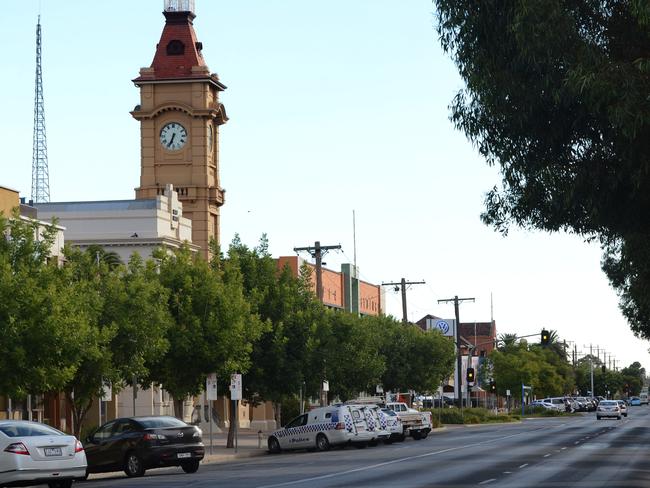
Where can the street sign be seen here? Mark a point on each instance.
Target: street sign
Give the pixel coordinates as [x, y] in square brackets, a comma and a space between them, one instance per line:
[326, 385]
[235, 386]
[507, 392]
[211, 387]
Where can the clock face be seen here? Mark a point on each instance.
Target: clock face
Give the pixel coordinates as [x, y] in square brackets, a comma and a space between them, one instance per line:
[173, 136]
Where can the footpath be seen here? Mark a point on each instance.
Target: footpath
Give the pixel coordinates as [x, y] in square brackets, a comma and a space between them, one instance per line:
[249, 443]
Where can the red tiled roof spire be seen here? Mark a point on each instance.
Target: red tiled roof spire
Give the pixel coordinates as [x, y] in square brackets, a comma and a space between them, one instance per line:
[178, 54]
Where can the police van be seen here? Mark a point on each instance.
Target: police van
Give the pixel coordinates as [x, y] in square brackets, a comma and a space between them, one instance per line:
[321, 428]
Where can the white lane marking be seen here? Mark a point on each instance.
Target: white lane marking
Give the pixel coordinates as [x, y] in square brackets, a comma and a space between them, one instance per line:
[577, 442]
[394, 461]
[523, 465]
[563, 448]
[546, 455]
[507, 472]
[487, 481]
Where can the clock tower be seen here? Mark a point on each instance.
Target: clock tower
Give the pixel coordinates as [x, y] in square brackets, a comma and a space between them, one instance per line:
[180, 115]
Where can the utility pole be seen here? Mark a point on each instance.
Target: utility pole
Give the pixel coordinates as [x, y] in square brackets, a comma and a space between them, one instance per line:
[459, 363]
[317, 252]
[402, 284]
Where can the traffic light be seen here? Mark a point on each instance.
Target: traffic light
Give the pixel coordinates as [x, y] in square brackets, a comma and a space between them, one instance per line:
[603, 368]
[470, 375]
[546, 337]
[493, 386]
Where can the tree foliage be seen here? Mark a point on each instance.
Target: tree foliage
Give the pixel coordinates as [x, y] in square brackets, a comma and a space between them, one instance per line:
[556, 95]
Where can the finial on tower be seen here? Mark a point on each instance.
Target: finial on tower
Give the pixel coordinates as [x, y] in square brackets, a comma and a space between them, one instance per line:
[179, 6]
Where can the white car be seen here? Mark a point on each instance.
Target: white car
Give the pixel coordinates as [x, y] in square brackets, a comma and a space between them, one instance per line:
[608, 408]
[393, 426]
[321, 428]
[34, 453]
[546, 405]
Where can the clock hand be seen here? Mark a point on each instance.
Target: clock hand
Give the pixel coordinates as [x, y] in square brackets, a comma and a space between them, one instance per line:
[171, 141]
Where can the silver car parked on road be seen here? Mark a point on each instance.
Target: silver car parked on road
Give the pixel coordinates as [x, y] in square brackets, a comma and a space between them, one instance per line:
[32, 453]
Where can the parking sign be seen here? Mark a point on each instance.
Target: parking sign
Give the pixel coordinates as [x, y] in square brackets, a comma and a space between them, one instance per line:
[235, 386]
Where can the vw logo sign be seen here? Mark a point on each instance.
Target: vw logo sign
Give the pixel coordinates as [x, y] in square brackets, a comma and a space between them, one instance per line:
[443, 326]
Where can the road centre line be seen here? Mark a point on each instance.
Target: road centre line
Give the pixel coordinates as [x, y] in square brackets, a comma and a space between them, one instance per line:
[394, 461]
[546, 455]
[487, 481]
[523, 465]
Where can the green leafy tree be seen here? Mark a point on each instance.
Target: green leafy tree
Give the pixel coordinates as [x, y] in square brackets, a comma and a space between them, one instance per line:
[556, 96]
[280, 299]
[345, 352]
[125, 322]
[40, 326]
[212, 327]
[415, 359]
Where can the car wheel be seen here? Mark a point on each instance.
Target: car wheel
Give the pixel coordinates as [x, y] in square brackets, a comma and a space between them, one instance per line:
[361, 445]
[401, 438]
[60, 484]
[424, 435]
[191, 466]
[322, 444]
[618, 418]
[133, 466]
[416, 435]
[625, 415]
[274, 445]
[597, 417]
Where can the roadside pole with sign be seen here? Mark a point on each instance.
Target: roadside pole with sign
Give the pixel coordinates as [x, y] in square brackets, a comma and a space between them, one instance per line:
[210, 396]
[235, 396]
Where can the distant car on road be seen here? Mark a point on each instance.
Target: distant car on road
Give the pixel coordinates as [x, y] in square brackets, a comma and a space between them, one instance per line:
[608, 408]
[545, 405]
[32, 453]
[136, 444]
[635, 401]
[623, 406]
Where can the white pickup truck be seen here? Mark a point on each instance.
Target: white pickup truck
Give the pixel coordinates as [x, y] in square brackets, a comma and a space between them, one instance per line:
[416, 424]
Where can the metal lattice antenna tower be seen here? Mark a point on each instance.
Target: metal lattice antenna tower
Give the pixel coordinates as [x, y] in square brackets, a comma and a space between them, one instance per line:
[40, 172]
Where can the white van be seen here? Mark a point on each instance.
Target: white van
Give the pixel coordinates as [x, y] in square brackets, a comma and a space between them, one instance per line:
[321, 428]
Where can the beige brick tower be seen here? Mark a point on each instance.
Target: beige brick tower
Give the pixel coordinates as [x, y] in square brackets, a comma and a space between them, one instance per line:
[180, 115]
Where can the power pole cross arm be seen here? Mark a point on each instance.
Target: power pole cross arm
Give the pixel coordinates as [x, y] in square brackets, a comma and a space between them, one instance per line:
[317, 252]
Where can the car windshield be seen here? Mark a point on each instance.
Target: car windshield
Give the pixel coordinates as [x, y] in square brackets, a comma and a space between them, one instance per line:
[160, 422]
[389, 412]
[28, 430]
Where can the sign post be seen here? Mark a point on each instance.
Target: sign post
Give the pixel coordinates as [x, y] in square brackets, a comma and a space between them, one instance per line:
[235, 396]
[210, 395]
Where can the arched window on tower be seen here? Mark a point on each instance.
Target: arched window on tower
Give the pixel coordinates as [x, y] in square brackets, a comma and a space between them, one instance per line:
[175, 48]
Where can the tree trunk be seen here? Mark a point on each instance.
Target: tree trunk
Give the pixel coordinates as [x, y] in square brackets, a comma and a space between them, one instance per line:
[231, 427]
[178, 407]
[277, 410]
[79, 412]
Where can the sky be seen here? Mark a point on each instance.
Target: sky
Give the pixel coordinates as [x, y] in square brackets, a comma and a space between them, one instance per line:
[334, 107]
